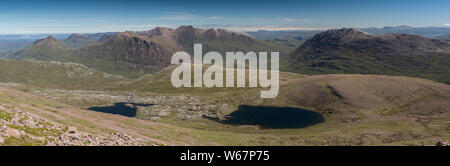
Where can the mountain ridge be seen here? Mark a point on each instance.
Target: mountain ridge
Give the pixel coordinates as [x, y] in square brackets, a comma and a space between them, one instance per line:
[77, 41]
[133, 54]
[353, 51]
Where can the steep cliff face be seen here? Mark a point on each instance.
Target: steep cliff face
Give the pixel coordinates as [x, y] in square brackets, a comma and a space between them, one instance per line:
[130, 48]
[220, 40]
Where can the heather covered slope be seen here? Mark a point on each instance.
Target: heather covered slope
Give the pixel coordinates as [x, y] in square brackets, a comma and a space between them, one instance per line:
[354, 51]
[55, 75]
[368, 93]
[334, 92]
[356, 110]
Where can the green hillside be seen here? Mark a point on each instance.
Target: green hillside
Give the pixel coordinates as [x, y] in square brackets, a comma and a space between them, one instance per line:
[55, 75]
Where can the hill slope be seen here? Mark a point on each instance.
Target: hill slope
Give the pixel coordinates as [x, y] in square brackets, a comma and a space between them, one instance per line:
[358, 109]
[124, 53]
[43, 49]
[77, 41]
[354, 51]
[55, 75]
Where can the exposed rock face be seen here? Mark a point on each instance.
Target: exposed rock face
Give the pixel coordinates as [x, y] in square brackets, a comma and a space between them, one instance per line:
[47, 39]
[152, 107]
[131, 49]
[158, 31]
[442, 143]
[221, 40]
[29, 128]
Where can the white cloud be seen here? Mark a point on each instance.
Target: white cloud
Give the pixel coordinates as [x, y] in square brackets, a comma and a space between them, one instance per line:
[447, 24]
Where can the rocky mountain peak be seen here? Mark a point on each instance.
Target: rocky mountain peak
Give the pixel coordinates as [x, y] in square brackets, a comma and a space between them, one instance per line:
[49, 38]
[158, 31]
[340, 35]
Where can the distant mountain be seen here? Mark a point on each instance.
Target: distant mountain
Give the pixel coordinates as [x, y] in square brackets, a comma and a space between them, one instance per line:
[220, 40]
[10, 46]
[355, 51]
[134, 54]
[43, 49]
[77, 41]
[98, 36]
[125, 53]
[424, 31]
[291, 37]
[444, 37]
[164, 37]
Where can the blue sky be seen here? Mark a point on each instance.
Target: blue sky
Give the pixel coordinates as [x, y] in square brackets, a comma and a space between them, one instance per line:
[48, 16]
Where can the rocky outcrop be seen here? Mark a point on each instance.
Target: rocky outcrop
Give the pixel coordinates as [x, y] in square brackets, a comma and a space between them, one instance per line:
[22, 128]
[443, 143]
[151, 107]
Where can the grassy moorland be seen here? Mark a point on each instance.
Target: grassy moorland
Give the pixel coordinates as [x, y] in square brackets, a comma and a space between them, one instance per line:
[356, 110]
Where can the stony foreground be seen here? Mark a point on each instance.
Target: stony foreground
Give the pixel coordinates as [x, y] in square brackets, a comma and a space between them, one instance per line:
[22, 128]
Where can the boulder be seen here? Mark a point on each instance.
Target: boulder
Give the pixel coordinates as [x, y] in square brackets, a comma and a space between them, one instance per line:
[10, 132]
[72, 130]
[442, 143]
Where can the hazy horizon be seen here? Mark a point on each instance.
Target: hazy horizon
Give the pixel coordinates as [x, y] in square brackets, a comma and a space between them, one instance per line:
[31, 17]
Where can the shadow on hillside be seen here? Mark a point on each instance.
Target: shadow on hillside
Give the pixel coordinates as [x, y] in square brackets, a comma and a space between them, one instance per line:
[273, 117]
[122, 108]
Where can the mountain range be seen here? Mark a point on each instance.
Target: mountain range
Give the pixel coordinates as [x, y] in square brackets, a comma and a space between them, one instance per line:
[355, 51]
[431, 32]
[347, 50]
[133, 54]
[77, 41]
